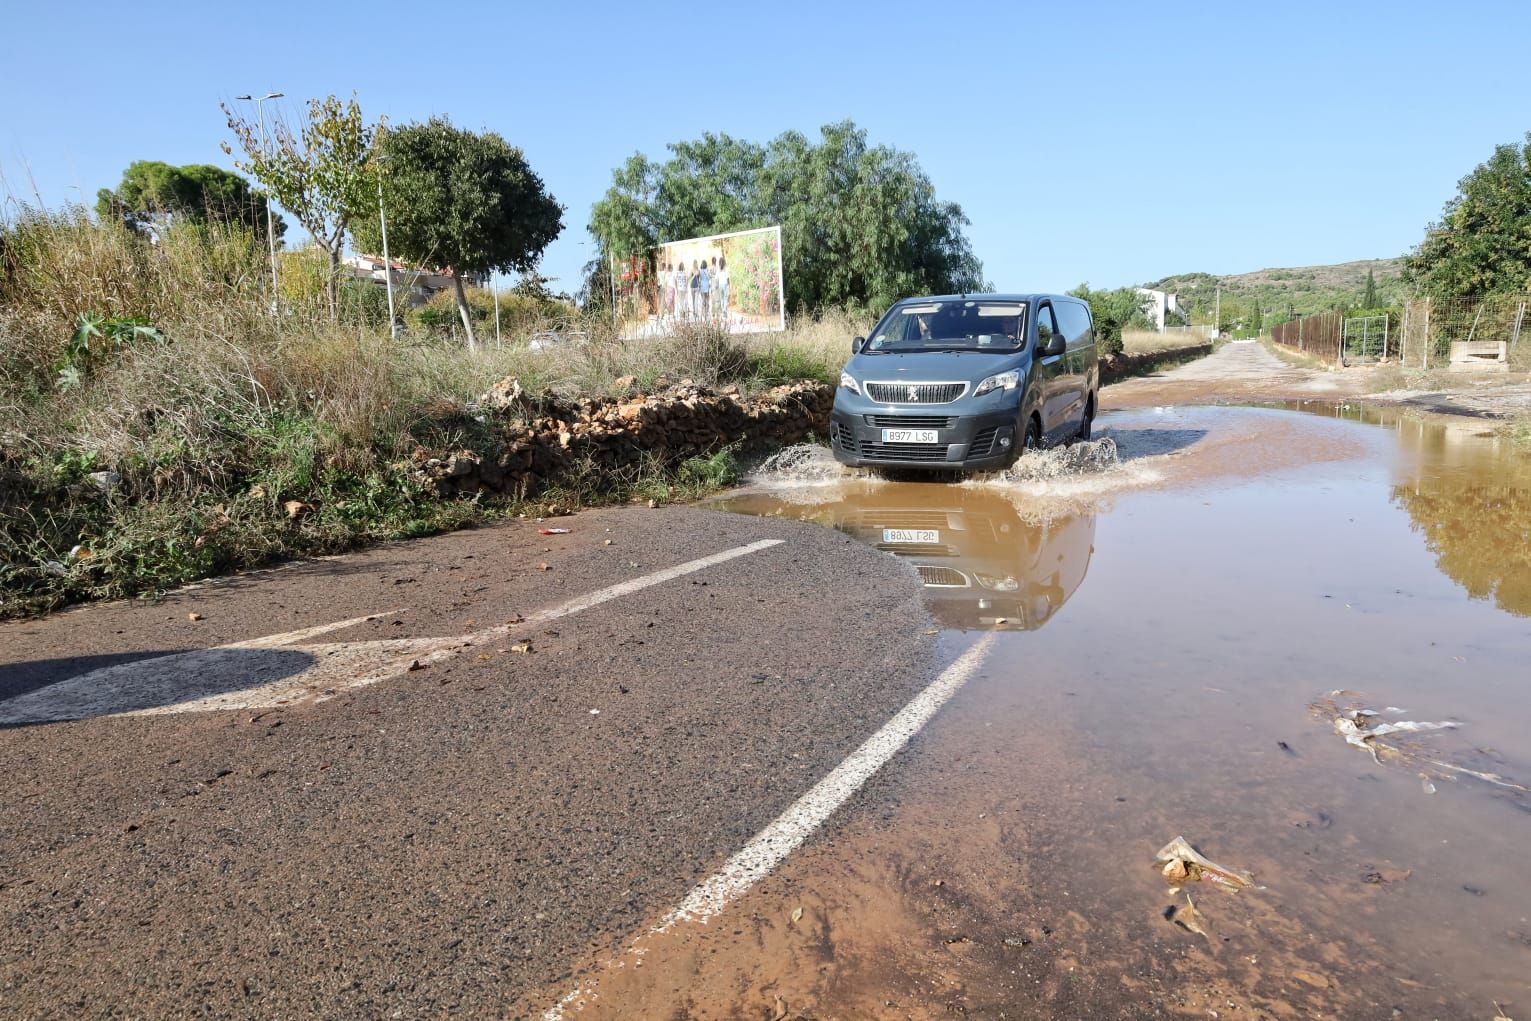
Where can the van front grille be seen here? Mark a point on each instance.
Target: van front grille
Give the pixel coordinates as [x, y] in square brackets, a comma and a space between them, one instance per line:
[911, 421]
[900, 451]
[915, 393]
[942, 577]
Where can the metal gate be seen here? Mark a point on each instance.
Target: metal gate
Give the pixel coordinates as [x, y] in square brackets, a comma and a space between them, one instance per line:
[1364, 340]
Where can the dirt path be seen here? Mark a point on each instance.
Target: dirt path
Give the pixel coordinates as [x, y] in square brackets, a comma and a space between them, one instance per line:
[1245, 371]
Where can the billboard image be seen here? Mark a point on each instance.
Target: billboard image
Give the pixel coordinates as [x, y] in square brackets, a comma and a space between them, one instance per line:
[731, 279]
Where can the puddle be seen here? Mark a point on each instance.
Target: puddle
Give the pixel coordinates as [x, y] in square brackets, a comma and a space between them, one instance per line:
[1168, 617]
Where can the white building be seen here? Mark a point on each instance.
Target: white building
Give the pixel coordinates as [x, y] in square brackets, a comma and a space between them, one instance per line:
[1160, 304]
[413, 286]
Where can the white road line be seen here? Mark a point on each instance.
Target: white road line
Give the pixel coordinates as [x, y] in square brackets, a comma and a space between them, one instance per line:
[199, 681]
[788, 831]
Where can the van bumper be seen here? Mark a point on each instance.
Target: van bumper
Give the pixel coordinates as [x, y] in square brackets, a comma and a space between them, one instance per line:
[963, 442]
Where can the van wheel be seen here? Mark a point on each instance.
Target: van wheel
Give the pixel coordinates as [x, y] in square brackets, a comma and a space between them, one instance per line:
[1087, 426]
[1033, 440]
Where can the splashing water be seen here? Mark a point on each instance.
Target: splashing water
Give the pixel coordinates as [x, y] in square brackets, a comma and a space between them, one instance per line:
[1086, 458]
[804, 463]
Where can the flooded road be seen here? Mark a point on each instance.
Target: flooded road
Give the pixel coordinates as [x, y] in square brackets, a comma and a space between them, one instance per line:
[1181, 613]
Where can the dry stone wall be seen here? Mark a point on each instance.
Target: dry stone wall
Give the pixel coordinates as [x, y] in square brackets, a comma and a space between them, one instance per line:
[539, 439]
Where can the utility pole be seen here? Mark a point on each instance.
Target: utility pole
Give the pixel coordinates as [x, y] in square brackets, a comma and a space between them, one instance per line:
[494, 295]
[382, 222]
[260, 113]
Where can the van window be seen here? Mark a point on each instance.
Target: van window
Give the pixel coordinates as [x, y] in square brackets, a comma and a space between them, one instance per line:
[959, 325]
[1046, 325]
[1075, 321]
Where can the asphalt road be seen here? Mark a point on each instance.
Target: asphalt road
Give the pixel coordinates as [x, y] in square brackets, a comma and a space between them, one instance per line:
[442, 841]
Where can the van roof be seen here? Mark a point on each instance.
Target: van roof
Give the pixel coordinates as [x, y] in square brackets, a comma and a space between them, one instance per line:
[985, 297]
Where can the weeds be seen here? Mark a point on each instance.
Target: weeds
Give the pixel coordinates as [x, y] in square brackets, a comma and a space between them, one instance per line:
[158, 424]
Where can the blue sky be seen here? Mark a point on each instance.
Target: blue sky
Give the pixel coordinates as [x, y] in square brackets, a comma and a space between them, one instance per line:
[1114, 143]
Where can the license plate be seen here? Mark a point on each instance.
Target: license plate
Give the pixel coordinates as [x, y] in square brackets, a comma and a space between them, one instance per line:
[910, 435]
[924, 536]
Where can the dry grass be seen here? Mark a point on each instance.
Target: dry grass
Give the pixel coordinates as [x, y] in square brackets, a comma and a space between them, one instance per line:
[211, 421]
[1138, 342]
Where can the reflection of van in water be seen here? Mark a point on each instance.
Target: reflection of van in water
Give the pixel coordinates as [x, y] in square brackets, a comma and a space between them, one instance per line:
[981, 565]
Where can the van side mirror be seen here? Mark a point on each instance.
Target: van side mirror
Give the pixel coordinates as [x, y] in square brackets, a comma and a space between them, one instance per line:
[1056, 345]
[857, 343]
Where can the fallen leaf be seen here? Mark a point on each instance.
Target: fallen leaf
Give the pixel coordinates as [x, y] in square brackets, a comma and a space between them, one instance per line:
[1316, 981]
[193, 616]
[797, 914]
[521, 647]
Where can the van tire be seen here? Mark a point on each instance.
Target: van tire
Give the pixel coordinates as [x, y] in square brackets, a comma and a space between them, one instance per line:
[1087, 424]
[1033, 440]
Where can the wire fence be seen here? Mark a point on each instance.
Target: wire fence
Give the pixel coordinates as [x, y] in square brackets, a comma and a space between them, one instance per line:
[1321, 335]
[1491, 331]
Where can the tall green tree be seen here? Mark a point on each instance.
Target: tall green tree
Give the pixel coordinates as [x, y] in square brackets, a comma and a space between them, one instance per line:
[861, 224]
[151, 192]
[1482, 242]
[464, 201]
[319, 171]
[1369, 296]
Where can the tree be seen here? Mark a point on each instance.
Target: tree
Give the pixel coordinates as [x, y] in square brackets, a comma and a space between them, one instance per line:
[1113, 312]
[1369, 296]
[1482, 242]
[861, 225]
[152, 192]
[467, 202]
[320, 172]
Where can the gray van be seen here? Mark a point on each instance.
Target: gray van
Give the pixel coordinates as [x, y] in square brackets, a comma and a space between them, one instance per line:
[967, 381]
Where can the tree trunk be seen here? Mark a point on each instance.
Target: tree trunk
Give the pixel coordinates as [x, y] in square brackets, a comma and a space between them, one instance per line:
[333, 287]
[462, 310]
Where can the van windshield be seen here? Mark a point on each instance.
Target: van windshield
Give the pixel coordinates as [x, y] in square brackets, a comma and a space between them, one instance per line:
[957, 325]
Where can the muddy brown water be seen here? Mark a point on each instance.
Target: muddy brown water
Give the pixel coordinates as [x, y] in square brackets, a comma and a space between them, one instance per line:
[1166, 617]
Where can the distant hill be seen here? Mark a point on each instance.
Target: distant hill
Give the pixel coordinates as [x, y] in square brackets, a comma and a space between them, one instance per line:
[1303, 289]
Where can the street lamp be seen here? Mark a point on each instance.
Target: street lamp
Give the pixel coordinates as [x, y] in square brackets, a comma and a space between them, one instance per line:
[260, 113]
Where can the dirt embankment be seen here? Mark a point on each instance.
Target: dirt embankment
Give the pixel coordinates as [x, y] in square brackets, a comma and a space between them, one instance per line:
[543, 438]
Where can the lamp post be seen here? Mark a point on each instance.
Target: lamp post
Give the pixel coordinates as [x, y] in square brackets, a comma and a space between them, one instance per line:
[382, 222]
[260, 113]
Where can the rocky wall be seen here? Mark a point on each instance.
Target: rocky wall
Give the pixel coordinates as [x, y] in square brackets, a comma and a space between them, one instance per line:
[538, 439]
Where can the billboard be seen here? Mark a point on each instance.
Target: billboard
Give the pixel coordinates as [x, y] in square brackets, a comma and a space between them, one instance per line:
[731, 279]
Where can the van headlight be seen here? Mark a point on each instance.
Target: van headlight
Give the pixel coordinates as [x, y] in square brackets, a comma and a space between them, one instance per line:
[999, 381]
[849, 382]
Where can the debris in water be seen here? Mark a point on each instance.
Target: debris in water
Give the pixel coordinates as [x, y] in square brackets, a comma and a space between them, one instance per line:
[1190, 919]
[1357, 728]
[1365, 728]
[1180, 863]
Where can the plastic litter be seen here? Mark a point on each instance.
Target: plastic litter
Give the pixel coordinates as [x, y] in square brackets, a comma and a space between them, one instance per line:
[554, 531]
[1181, 863]
[1357, 728]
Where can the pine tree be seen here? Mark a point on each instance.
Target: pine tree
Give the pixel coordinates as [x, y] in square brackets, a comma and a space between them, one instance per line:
[1370, 298]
